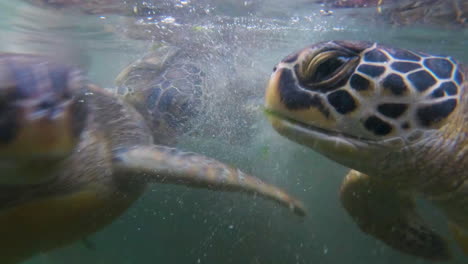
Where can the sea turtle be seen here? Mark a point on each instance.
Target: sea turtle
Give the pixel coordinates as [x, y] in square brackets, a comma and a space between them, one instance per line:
[215, 102]
[74, 156]
[397, 118]
[429, 12]
[442, 13]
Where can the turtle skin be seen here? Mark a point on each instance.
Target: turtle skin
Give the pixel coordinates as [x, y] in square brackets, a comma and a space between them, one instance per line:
[398, 119]
[74, 156]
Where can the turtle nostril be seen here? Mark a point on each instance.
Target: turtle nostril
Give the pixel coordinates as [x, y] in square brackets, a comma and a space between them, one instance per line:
[275, 68]
[47, 108]
[46, 104]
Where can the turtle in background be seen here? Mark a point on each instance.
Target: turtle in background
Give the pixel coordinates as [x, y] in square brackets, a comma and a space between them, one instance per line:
[441, 13]
[73, 156]
[398, 119]
[428, 12]
[226, 96]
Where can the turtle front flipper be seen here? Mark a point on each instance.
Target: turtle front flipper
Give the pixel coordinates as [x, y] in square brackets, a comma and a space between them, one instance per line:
[169, 165]
[389, 215]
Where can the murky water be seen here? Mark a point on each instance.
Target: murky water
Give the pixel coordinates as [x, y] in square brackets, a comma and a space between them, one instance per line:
[172, 224]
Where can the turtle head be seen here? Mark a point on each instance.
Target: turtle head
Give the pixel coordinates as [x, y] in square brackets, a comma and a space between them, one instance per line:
[41, 118]
[358, 101]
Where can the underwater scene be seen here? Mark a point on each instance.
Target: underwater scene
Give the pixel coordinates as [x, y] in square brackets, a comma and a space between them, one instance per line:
[224, 131]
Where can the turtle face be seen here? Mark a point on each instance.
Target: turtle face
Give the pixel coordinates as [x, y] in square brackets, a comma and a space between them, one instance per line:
[40, 116]
[336, 96]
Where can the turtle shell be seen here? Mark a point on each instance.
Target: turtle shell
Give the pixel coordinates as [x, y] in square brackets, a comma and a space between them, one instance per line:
[166, 88]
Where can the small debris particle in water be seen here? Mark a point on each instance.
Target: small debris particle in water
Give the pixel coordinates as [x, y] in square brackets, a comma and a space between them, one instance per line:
[168, 20]
[295, 19]
[231, 226]
[325, 12]
[248, 3]
[325, 250]
[102, 17]
[265, 151]
[198, 260]
[198, 28]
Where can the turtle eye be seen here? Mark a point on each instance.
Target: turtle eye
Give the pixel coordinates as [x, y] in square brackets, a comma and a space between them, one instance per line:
[328, 68]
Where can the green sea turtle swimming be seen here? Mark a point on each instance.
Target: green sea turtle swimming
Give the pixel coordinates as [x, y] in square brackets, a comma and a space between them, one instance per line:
[428, 12]
[439, 13]
[398, 119]
[74, 156]
[213, 99]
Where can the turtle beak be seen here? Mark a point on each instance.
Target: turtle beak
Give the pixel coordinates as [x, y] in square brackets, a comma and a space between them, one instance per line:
[285, 98]
[272, 95]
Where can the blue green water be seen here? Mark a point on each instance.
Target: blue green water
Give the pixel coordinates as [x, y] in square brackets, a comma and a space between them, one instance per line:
[173, 224]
